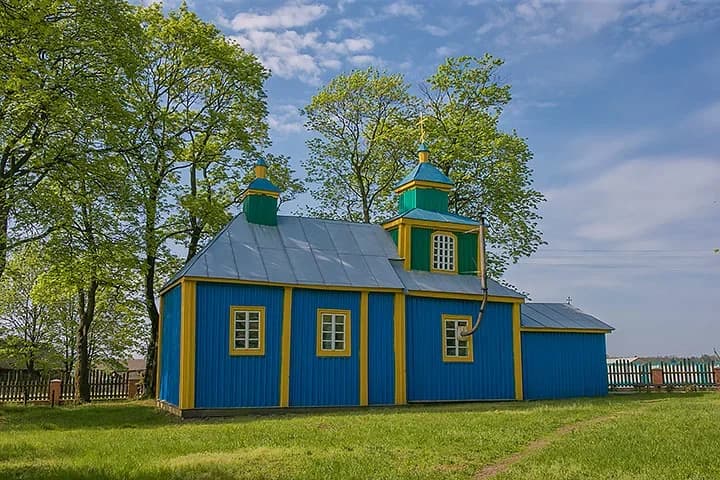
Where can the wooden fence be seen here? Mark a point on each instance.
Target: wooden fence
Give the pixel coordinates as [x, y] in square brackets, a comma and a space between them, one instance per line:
[23, 387]
[624, 374]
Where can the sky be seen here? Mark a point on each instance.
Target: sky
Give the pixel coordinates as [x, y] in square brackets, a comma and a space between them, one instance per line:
[618, 100]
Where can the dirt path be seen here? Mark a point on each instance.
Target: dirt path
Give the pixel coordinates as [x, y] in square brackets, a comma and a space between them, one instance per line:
[489, 471]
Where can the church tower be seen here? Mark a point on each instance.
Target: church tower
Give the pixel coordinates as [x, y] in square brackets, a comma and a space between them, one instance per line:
[260, 199]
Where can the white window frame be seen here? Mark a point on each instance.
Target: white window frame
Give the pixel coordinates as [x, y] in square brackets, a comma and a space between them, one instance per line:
[333, 333]
[443, 254]
[246, 338]
[452, 343]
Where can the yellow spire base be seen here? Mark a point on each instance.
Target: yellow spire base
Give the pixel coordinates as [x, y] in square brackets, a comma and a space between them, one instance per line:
[424, 156]
[260, 171]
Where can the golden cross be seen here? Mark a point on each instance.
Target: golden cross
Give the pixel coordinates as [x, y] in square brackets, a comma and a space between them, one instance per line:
[421, 123]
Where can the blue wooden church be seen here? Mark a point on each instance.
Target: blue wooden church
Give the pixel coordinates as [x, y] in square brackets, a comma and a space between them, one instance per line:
[283, 311]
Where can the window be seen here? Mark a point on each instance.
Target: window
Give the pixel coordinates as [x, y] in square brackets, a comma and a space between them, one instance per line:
[443, 252]
[247, 330]
[456, 348]
[333, 333]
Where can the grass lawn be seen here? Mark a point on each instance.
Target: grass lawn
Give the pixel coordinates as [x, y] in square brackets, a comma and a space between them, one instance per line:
[644, 436]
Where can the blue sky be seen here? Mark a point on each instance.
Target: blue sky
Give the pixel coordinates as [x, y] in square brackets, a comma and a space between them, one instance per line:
[619, 101]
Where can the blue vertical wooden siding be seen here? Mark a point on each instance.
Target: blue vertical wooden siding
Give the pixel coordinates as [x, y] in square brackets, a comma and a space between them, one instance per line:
[563, 365]
[381, 355]
[489, 376]
[169, 388]
[222, 380]
[322, 381]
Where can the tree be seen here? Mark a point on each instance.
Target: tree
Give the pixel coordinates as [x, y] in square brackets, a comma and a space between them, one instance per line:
[363, 123]
[488, 166]
[196, 97]
[58, 65]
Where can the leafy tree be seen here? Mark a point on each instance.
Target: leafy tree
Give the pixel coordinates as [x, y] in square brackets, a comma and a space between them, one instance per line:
[363, 143]
[195, 98]
[58, 64]
[489, 166]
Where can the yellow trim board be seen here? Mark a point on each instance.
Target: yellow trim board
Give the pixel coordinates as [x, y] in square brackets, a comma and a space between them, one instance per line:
[285, 348]
[399, 349]
[347, 329]
[280, 284]
[464, 296]
[187, 345]
[563, 330]
[517, 352]
[455, 227]
[364, 348]
[424, 184]
[258, 192]
[260, 351]
[432, 252]
[469, 358]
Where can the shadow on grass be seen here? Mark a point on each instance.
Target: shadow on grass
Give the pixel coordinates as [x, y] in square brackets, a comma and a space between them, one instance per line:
[58, 472]
[99, 415]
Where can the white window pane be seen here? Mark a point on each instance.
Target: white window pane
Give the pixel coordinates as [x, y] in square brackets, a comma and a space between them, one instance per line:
[253, 344]
[327, 336]
[462, 352]
[254, 334]
[339, 336]
[340, 327]
[339, 345]
[327, 345]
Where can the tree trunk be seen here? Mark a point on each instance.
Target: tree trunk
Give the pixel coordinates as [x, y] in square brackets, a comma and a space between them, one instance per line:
[4, 225]
[153, 314]
[86, 307]
[195, 230]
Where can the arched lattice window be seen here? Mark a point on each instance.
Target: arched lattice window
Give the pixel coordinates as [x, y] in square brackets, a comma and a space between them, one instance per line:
[443, 251]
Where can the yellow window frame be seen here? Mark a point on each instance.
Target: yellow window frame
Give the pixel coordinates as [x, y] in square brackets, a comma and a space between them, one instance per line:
[454, 253]
[260, 351]
[346, 352]
[469, 358]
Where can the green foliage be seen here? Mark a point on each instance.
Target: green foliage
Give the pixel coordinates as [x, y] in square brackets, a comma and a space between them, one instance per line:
[363, 144]
[489, 167]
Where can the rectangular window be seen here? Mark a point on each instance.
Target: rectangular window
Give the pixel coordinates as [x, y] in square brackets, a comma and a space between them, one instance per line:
[247, 330]
[456, 347]
[333, 333]
[443, 252]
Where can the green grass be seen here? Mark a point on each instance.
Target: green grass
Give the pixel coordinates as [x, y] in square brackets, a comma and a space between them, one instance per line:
[643, 436]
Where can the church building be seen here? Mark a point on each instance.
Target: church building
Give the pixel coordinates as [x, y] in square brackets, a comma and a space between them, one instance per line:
[285, 311]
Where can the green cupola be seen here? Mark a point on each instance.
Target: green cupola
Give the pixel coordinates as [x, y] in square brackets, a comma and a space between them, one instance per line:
[260, 199]
[425, 187]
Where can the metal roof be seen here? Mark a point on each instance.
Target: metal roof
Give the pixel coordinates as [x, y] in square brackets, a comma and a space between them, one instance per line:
[559, 315]
[311, 251]
[303, 251]
[263, 184]
[426, 172]
[429, 215]
[443, 283]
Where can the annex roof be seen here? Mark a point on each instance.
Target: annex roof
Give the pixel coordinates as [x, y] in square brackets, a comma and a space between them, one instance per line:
[416, 280]
[559, 315]
[263, 184]
[429, 215]
[427, 172]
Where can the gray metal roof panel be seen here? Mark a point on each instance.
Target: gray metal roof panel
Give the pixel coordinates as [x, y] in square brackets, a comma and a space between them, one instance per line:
[304, 266]
[441, 282]
[559, 315]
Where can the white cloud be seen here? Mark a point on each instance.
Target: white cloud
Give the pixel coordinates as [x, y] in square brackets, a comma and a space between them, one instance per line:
[403, 9]
[444, 51]
[436, 31]
[361, 60]
[287, 16]
[285, 119]
[707, 118]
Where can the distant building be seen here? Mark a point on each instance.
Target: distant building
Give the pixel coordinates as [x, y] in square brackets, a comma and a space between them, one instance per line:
[283, 311]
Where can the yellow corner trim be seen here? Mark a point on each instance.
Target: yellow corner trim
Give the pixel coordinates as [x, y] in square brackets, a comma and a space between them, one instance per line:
[260, 351]
[456, 359]
[424, 184]
[285, 348]
[364, 348]
[455, 251]
[187, 345]
[464, 296]
[563, 330]
[517, 352]
[399, 349]
[345, 352]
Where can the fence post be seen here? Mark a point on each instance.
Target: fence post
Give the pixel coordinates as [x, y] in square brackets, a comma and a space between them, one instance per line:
[132, 388]
[716, 377]
[656, 374]
[54, 391]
